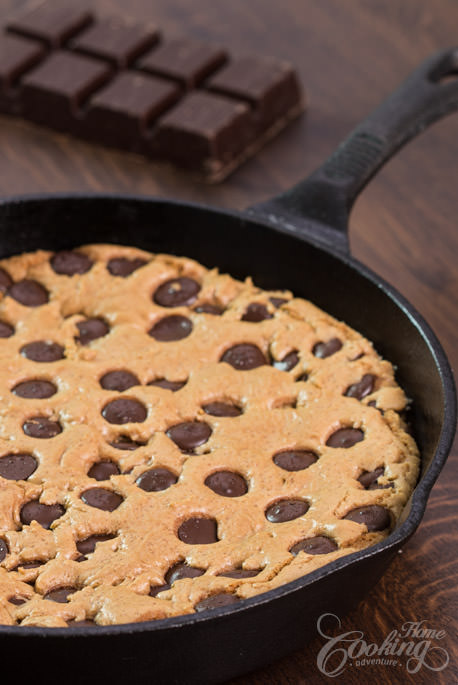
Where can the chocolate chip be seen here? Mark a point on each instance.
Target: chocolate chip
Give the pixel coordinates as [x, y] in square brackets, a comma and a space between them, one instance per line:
[17, 601]
[316, 545]
[226, 484]
[286, 510]
[373, 516]
[288, 362]
[44, 514]
[222, 599]
[35, 389]
[240, 573]
[29, 564]
[42, 351]
[60, 594]
[207, 308]
[156, 589]
[189, 434]
[5, 280]
[182, 570]
[124, 411]
[69, 263]
[256, 312]
[221, 409]
[171, 328]
[41, 427]
[86, 622]
[368, 479]
[364, 387]
[156, 479]
[121, 266]
[3, 549]
[118, 380]
[198, 531]
[345, 437]
[91, 329]
[303, 377]
[17, 466]
[167, 385]
[87, 546]
[294, 460]
[325, 349]
[125, 443]
[102, 470]
[176, 292]
[244, 356]
[6, 331]
[101, 498]
[278, 301]
[29, 293]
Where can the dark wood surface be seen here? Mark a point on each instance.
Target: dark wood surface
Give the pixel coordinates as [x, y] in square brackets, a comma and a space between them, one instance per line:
[349, 55]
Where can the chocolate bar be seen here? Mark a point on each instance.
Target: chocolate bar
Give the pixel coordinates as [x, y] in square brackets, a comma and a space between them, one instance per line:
[120, 83]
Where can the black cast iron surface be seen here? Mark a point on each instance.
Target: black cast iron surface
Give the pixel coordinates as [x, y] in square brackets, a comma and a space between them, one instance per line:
[296, 241]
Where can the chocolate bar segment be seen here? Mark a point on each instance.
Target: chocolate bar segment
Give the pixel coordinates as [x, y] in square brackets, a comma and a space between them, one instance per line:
[53, 22]
[120, 42]
[17, 55]
[119, 114]
[269, 86]
[203, 132]
[184, 60]
[54, 92]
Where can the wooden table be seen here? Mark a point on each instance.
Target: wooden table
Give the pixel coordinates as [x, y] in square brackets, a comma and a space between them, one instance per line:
[350, 55]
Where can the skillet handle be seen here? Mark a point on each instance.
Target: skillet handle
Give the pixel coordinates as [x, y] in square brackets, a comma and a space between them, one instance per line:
[321, 204]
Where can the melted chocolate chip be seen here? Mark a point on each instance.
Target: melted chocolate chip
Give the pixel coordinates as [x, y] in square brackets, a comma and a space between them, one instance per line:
[44, 514]
[182, 570]
[222, 599]
[119, 380]
[316, 545]
[35, 389]
[124, 411]
[345, 437]
[60, 594]
[256, 312]
[101, 498]
[221, 409]
[156, 479]
[17, 466]
[364, 387]
[30, 564]
[198, 531]
[3, 549]
[121, 266]
[102, 470]
[167, 385]
[288, 362]
[244, 356]
[29, 293]
[286, 510]
[6, 331]
[326, 349]
[171, 328]
[176, 292]
[87, 546]
[294, 460]
[240, 573]
[189, 434]
[42, 351]
[373, 516]
[207, 308]
[368, 479]
[278, 301]
[5, 280]
[156, 589]
[17, 601]
[41, 427]
[227, 484]
[91, 329]
[69, 263]
[125, 443]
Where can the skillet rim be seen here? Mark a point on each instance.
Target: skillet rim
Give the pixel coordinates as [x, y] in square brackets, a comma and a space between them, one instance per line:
[419, 498]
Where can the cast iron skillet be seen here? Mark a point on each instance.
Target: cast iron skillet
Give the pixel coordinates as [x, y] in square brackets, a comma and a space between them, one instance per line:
[297, 241]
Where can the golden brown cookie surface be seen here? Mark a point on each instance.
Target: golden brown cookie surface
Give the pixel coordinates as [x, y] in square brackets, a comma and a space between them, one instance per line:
[173, 439]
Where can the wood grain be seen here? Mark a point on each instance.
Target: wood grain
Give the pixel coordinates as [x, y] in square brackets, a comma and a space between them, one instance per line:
[349, 56]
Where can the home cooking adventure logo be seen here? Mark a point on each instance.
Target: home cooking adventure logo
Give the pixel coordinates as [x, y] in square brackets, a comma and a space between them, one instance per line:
[413, 647]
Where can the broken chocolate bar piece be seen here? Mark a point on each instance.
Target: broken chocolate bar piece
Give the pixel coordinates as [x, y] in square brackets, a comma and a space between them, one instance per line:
[120, 42]
[17, 55]
[119, 114]
[53, 22]
[184, 60]
[54, 92]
